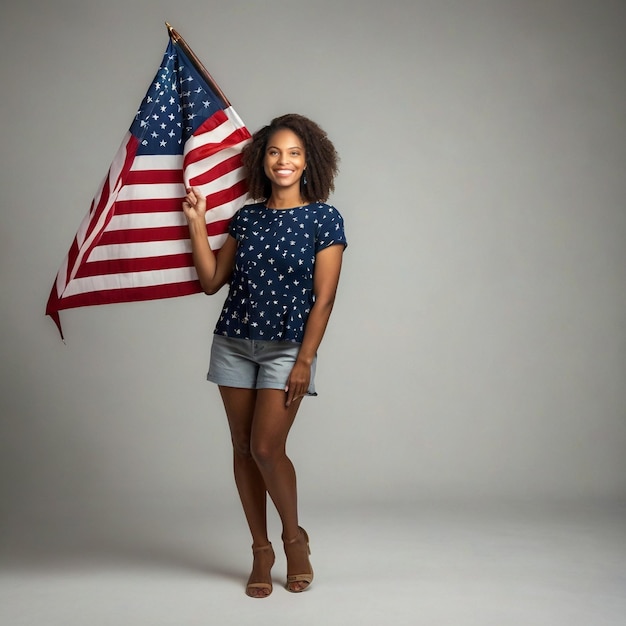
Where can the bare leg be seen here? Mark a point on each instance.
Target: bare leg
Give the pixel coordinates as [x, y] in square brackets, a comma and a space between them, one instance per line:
[239, 405]
[270, 427]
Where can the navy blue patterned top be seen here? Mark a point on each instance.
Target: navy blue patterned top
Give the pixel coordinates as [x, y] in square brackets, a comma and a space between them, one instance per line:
[271, 289]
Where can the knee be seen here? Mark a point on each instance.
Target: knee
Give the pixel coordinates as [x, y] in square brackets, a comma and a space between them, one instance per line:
[241, 448]
[265, 455]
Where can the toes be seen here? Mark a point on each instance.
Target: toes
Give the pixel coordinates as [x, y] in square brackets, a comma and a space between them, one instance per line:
[258, 593]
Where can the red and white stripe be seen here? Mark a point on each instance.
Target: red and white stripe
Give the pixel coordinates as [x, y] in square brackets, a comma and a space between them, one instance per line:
[134, 243]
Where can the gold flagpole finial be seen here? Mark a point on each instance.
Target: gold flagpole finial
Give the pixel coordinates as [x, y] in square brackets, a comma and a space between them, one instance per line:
[172, 33]
[179, 41]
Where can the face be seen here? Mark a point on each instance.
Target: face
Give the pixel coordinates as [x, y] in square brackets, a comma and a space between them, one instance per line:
[284, 160]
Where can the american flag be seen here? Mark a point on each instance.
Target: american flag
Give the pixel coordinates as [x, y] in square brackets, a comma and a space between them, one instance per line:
[134, 242]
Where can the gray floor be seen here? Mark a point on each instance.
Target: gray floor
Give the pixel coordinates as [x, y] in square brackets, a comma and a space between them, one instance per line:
[425, 564]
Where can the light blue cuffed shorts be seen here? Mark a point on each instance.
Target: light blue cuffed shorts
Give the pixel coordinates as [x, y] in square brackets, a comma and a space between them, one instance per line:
[251, 364]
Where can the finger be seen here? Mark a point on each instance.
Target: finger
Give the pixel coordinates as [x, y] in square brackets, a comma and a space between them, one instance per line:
[197, 193]
[289, 391]
[298, 392]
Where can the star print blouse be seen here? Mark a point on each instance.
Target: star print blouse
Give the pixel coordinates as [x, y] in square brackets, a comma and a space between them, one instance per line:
[271, 289]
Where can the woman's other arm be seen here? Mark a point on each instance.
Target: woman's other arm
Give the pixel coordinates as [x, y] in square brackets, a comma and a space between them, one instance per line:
[325, 282]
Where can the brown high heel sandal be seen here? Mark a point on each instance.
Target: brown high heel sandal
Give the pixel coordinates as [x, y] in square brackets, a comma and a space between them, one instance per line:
[299, 543]
[267, 586]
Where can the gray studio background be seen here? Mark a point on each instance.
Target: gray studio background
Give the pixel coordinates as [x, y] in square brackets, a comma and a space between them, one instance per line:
[477, 351]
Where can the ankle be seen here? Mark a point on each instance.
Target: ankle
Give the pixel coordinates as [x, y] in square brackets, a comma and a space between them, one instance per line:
[261, 544]
[262, 548]
[291, 538]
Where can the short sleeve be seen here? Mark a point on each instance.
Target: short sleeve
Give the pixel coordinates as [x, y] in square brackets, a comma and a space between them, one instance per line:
[235, 226]
[329, 228]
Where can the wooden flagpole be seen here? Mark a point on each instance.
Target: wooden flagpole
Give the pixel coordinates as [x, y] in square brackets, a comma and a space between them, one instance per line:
[178, 40]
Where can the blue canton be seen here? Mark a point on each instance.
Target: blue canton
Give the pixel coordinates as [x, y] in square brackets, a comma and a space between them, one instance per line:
[177, 102]
[271, 289]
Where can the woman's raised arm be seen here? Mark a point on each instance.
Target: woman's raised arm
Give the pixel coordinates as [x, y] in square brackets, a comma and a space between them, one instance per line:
[213, 270]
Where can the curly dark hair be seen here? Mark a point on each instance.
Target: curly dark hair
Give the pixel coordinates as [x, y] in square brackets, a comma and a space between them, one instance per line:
[322, 160]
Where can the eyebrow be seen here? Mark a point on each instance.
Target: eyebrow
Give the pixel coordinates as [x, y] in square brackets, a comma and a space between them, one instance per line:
[292, 148]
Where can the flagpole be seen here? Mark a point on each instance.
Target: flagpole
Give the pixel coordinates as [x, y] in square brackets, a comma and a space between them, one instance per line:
[178, 40]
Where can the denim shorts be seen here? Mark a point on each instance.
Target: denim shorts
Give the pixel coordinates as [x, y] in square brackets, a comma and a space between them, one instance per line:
[251, 364]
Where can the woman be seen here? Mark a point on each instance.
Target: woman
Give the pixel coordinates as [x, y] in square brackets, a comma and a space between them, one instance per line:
[282, 259]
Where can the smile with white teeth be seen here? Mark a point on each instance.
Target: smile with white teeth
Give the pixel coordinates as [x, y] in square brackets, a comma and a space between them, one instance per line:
[284, 172]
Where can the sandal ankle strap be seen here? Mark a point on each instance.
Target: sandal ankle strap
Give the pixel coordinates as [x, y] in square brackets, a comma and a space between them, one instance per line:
[262, 548]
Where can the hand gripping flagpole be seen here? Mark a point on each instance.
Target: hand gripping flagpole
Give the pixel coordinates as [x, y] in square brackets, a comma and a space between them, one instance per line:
[179, 41]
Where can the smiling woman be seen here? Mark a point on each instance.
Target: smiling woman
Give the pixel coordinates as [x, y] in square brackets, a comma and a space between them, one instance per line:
[321, 160]
[282, 259]
[284, 163]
